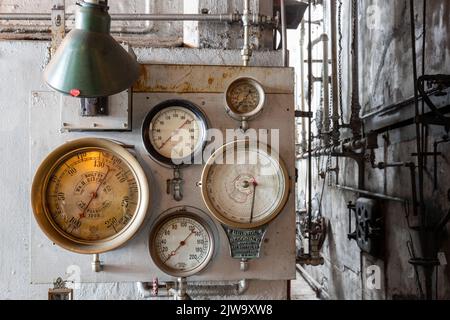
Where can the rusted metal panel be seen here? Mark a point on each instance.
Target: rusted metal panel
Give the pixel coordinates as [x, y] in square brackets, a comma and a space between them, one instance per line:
[210, 79]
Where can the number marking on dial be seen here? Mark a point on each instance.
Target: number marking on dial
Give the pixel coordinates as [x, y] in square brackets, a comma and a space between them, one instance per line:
[248, 193]
[92, 195]
[175, 133]
[182, 244]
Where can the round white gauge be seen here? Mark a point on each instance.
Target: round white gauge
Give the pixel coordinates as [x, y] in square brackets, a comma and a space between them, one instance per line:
[90, 196]
[245, 98]
[174, 132]
[181, 244]
[245, 186]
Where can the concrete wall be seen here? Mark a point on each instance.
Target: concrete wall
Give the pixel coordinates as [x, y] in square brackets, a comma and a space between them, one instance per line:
[385, 78]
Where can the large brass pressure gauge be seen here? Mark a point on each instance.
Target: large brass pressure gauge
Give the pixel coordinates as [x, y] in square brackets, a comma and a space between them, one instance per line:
[245, 186]
[245, 99]
[182, 241]
[90, 196]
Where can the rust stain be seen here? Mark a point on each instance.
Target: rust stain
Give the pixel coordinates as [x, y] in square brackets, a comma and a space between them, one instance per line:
[141, 83]
[210, 81]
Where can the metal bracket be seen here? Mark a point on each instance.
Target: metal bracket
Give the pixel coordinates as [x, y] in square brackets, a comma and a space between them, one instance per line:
[303, 114]
[245, 245]
[94, 107]
[368, 233]
[174, 185]
[60, 291]
[58, 28]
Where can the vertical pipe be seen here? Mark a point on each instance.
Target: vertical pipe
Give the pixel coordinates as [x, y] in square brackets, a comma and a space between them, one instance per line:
[334, 74]
[326, 92]
[310, 137]
[423, 232]
[355, 121]
[304, 143]
[246, 51]
[284, 34]
[148, 8]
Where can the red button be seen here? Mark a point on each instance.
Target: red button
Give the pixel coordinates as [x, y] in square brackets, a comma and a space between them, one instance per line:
[75, 93]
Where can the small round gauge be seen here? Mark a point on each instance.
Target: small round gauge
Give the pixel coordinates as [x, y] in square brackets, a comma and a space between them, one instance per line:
[245, 186]
[174, 132]
[245, 98]
[90, 196]
[181, 244]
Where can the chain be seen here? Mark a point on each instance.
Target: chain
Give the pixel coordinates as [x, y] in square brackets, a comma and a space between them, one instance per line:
[341, 104]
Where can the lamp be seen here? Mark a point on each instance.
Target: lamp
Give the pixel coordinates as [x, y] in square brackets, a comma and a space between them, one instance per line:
[89, 63]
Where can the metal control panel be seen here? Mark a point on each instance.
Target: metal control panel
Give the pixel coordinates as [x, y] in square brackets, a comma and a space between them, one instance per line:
[218, 245]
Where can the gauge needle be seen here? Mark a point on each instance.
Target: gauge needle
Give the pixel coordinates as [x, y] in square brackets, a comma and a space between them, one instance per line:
[94, 194]
[171, 136]
[182, 244]
[255, 184]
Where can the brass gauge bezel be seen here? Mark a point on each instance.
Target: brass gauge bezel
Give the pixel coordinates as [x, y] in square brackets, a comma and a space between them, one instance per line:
[221, 154]
[43, 216]
[183, 212]
[230, 108]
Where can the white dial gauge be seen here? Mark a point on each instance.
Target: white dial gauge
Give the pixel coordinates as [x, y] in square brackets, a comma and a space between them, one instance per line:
[245, 98]
[181, 244]
[245, 186]
[174, 132]
[90, 195]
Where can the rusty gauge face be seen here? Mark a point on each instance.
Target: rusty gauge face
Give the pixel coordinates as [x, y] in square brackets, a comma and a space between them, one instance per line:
[245, 98]
[174, 132]
[90, 196]
[245, 186]
[181, 243]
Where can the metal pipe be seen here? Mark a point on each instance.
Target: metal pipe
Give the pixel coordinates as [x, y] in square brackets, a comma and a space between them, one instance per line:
[96, 264]
[310, 135]
[395, 107]
[246, 50]
[355, 121]
[148, 10]
[144, 17]
[334, 74]
[326, 92]
[317, 287]
[372, 194]
[254, 19]
[284, 33]
[166, 290]
[304, 143]
[345, 150]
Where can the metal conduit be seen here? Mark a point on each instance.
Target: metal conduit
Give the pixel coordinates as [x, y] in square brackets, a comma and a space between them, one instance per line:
[255, 19]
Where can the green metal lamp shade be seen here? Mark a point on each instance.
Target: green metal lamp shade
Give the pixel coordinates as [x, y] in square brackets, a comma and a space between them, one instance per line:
[89, 62]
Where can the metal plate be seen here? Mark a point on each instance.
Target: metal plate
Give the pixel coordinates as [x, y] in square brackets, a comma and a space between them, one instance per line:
[132, 262]
[245, 244]
[118, 119]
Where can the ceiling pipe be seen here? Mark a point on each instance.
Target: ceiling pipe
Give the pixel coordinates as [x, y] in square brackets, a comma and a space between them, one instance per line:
[254, 19]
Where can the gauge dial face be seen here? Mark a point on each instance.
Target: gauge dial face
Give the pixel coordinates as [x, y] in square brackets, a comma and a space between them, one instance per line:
[174, 131]
[181, 245]
[90, 198]
[92, 195]
[245, 98]
[248, 193]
